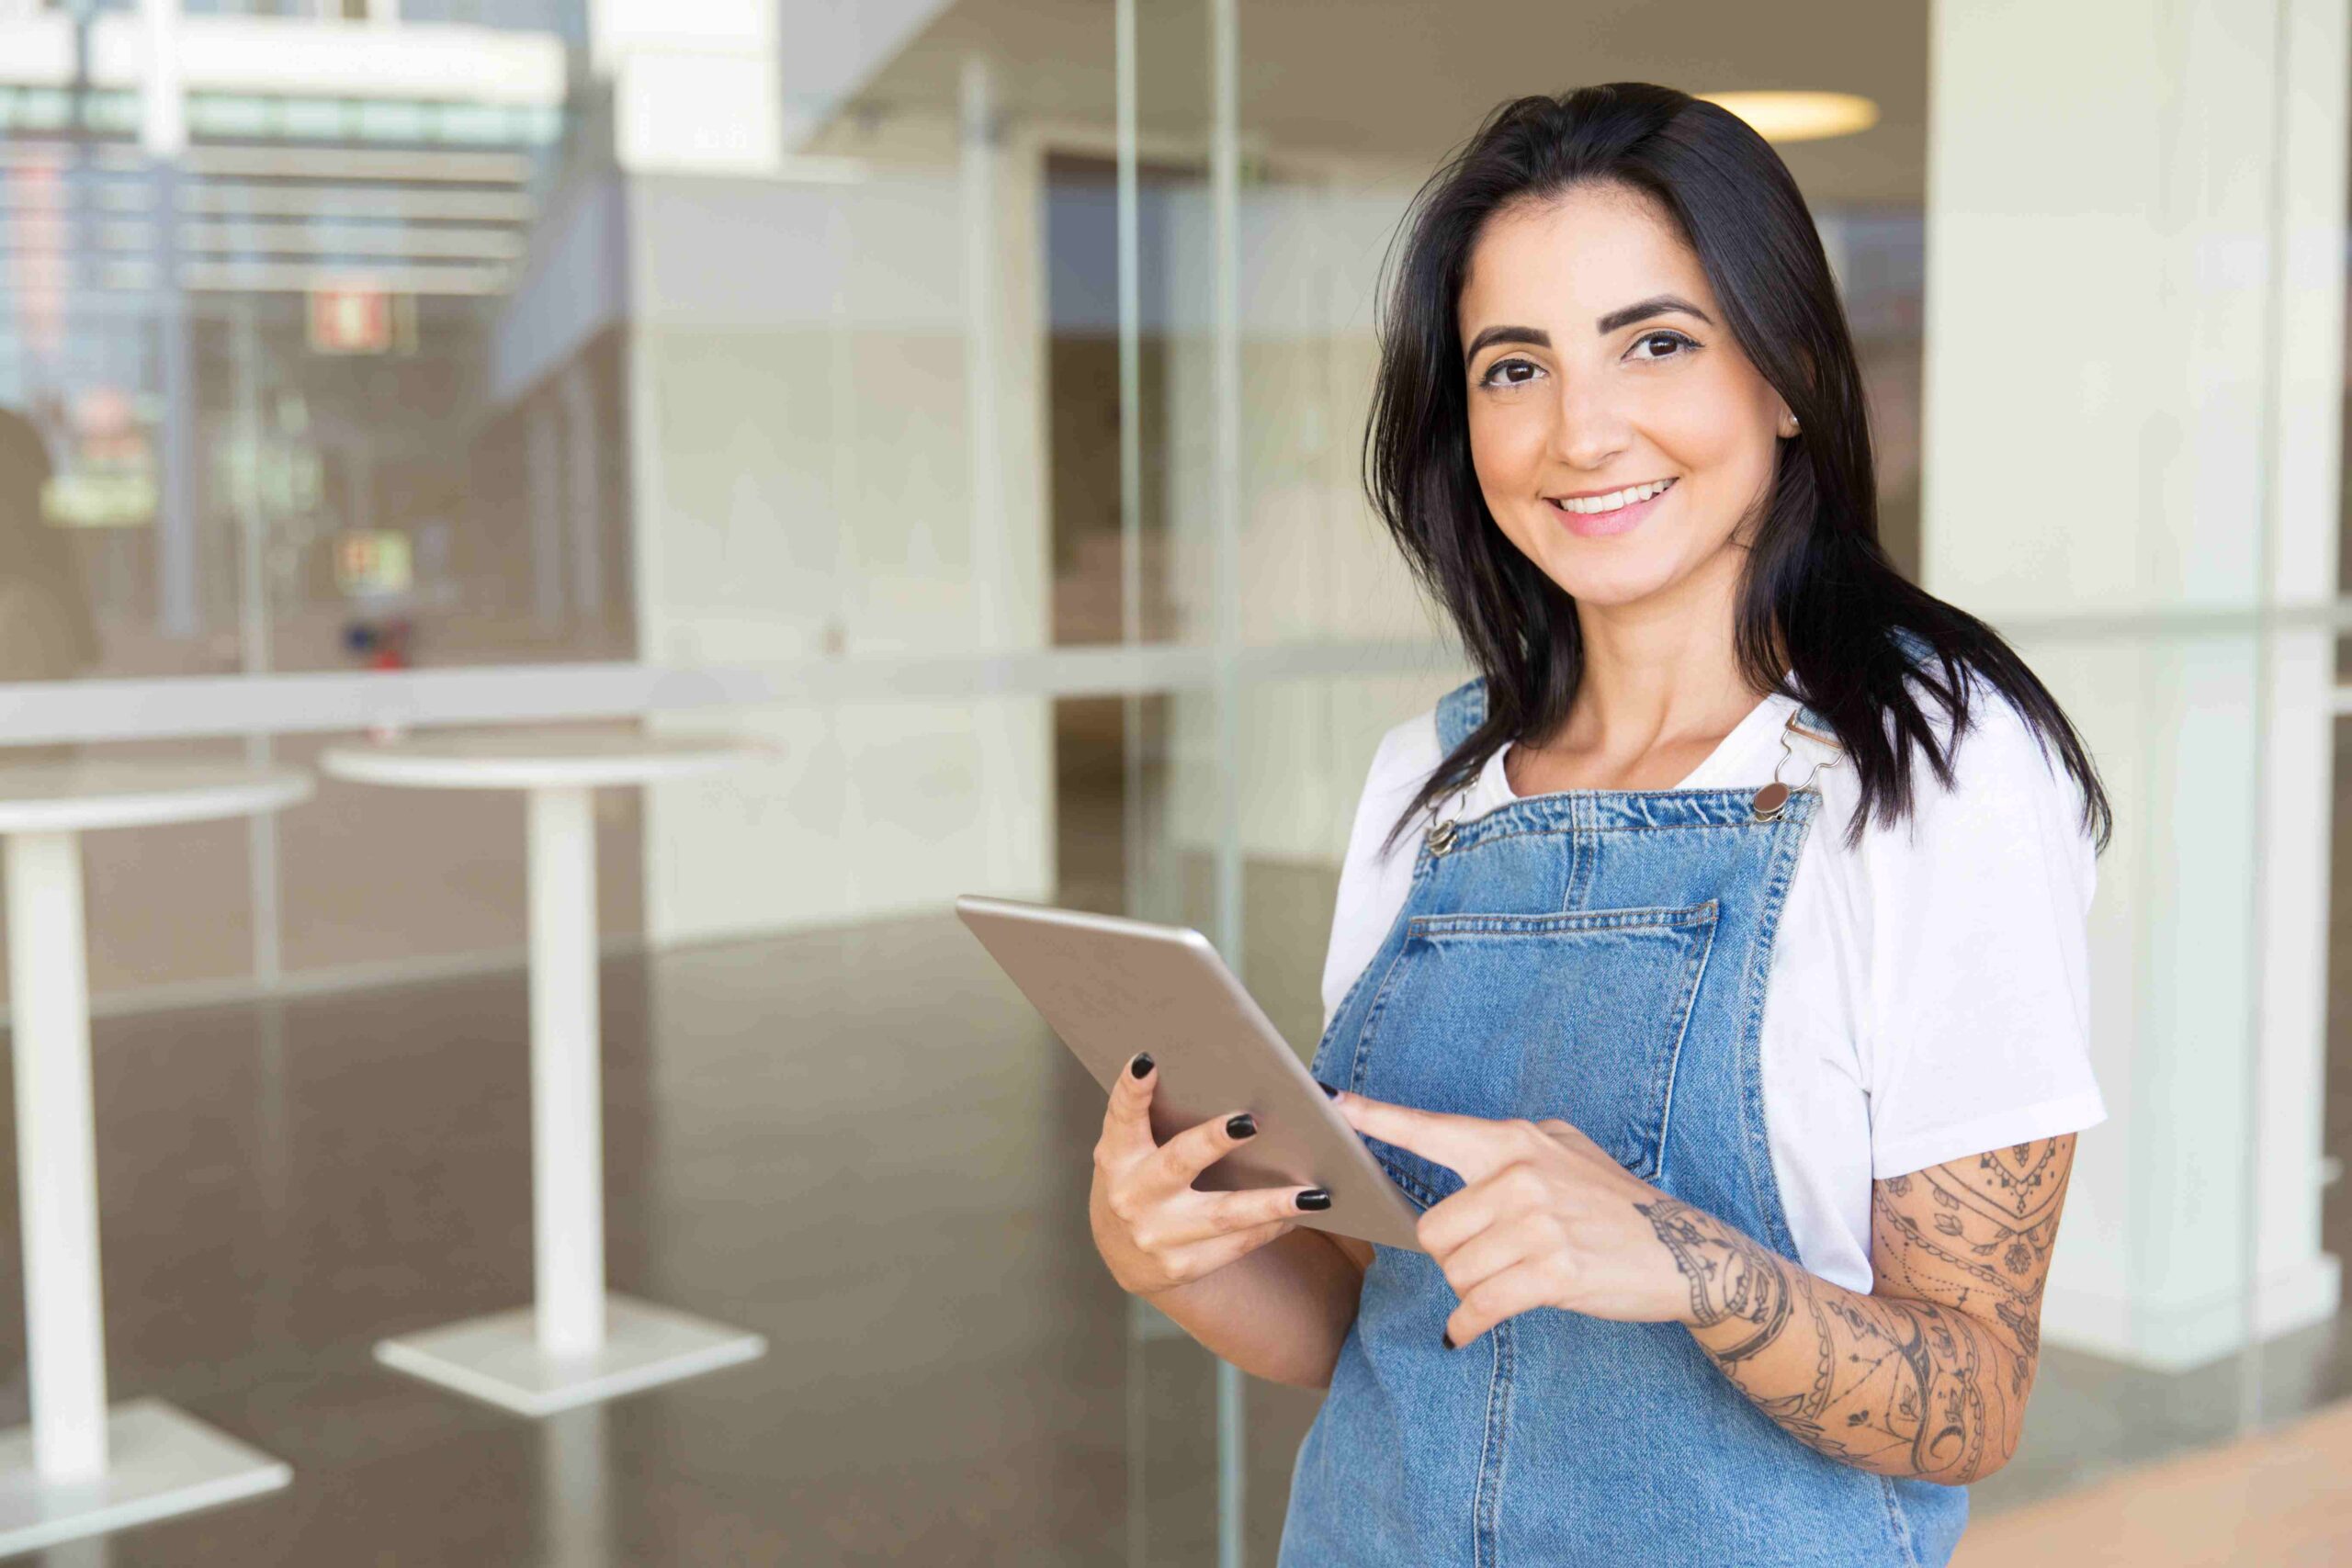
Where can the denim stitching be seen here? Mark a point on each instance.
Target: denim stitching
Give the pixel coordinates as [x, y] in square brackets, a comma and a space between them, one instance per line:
[1354, 985]
[1487, 1505]
[1584, 857]
[1372, 1017]
[1898, 1522]
[1464, 843]
[1412, 1185]
[1656, 917]
[1672, 1062]
[1783, 846]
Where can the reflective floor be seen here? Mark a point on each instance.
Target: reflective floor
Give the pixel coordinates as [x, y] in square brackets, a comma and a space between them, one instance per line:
[829, 1140]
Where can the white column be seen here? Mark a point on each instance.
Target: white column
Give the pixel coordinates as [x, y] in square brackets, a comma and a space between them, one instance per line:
[2133, 381]
[567, 1117]
[57, 1175]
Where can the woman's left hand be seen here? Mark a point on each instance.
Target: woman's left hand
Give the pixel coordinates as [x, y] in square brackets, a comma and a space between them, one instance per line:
[1544, 1218]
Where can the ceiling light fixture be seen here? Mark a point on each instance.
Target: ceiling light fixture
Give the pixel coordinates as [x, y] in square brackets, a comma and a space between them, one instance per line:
[1799, 117]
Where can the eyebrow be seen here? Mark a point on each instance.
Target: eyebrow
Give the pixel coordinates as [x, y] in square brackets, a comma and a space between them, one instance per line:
[1535, 337]
[1658, 304]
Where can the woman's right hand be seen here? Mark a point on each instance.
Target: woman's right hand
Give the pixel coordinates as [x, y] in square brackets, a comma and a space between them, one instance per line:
[1151, 1228]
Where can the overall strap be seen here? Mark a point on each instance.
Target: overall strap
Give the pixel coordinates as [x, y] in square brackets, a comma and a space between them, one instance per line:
[1812, 727]
[1459, 712]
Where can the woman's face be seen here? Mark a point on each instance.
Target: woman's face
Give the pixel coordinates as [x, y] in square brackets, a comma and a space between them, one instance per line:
[1599, 362]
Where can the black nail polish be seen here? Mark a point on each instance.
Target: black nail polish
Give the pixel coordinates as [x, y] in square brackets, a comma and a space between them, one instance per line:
[1242, 1126]
[1447, 1335]
[1141, 1065]
[1315, 1198]
[1328, 1093]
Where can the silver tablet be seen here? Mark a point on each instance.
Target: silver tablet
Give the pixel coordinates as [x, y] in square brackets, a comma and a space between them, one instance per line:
[1111, 986]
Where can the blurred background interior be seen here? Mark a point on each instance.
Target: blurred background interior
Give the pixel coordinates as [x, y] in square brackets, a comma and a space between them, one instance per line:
[963, 398]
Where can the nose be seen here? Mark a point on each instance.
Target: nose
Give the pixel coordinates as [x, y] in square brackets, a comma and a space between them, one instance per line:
[1589, 430]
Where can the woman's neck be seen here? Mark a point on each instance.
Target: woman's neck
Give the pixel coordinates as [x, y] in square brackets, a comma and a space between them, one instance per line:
[1660, 686]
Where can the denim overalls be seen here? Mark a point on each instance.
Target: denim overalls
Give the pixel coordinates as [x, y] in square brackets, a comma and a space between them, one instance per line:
[1600, 956]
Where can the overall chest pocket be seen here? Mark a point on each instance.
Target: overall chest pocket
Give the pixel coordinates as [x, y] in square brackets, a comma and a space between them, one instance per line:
[1579, 1016]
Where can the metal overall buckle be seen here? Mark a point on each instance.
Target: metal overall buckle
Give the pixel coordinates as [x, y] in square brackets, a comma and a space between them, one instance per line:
[1773, 798]
[1440, 837]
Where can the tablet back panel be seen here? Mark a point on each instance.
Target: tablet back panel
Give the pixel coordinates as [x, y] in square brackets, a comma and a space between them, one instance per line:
[1111, 987]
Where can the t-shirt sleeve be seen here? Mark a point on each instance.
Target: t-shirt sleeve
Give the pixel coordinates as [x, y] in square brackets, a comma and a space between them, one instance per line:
[1979, 962]
[1370, 885]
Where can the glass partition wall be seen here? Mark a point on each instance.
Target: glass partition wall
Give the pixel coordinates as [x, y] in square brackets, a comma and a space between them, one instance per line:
[988, 440]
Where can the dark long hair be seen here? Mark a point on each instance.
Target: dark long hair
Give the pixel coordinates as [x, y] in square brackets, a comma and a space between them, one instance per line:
[1817, 584]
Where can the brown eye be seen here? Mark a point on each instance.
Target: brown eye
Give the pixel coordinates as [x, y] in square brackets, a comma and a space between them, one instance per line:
[1495, 376]
[1675, 344]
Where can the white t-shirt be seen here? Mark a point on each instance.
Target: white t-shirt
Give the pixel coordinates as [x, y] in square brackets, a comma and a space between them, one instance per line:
[1929, 994]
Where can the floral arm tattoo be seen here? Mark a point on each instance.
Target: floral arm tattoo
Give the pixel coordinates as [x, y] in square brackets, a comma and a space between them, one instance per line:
[1926, 1376]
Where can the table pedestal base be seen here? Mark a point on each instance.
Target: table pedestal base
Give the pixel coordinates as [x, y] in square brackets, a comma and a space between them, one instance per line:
[159, 1462]
[497, 1358]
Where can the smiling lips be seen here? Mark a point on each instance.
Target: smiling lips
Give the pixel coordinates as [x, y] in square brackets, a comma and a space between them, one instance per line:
[1614, 501]
[1614, 513]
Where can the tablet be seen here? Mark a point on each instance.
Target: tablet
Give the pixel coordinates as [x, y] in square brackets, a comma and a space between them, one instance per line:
[1111, 986]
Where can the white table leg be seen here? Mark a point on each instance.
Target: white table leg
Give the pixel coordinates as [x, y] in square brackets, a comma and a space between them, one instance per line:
[80, 1469]
[577, 1343]
[567, 1104]
[57, 1171]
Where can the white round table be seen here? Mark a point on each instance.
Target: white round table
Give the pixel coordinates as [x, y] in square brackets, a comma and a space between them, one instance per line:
[81, 1468]
[578, 1342]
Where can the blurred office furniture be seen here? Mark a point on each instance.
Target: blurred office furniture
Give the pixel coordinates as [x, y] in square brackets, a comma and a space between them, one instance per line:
[577, 1343]
[80, 1468]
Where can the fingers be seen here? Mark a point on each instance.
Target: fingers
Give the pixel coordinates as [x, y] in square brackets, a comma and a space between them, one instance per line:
[1493, 1250]
[1208, 1256]
[1523, 1287]
[1515, 1187]
[1183, 1157]
[1471, 1147]
[1126, 1122]
[1210, 1214]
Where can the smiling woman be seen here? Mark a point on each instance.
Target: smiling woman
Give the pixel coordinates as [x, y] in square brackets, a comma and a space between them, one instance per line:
[1623, 286]
[1740, 1146]
[1635, 397]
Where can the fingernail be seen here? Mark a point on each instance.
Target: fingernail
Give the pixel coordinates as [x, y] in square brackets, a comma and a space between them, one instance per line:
[1241, 1126]
[1447, 1335]
[1141, 1065]
[1315, 1198]
[1328, 1093]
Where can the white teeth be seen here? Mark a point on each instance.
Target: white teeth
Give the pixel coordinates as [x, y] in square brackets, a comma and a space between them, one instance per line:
[1614, 501]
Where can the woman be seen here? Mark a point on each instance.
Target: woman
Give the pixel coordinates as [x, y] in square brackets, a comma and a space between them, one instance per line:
[1717, 1270]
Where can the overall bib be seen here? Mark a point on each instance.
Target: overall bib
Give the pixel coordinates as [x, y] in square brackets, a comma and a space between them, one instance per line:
[1600, 956]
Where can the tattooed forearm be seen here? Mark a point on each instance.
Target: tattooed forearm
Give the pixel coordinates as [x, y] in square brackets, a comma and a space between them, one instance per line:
[1927, 1376]
[1893, 1386]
